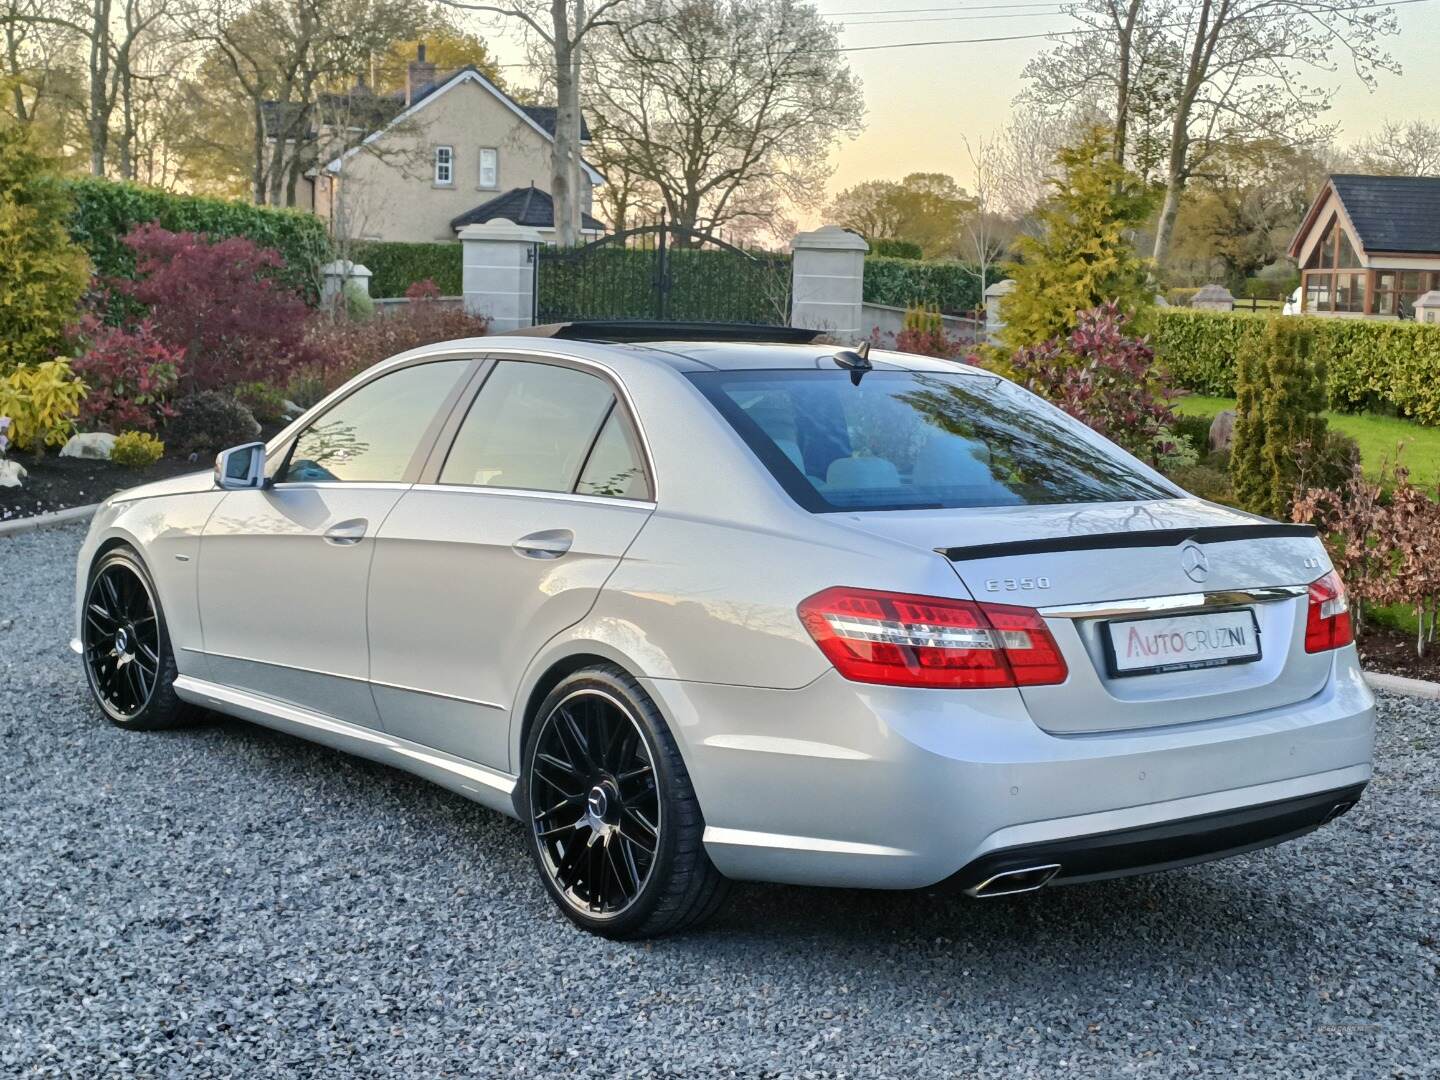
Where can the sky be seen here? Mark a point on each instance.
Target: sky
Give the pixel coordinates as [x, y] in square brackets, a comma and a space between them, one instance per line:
[920, 101]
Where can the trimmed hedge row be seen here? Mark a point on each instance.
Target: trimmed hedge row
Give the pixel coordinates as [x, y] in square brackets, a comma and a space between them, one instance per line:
[948, 283]
[106, 210]
[1368, 362]
[395, 266]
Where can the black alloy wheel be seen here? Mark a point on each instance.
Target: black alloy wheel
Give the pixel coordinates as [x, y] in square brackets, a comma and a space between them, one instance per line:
[128, 661]
[613, 823]
[598, 820]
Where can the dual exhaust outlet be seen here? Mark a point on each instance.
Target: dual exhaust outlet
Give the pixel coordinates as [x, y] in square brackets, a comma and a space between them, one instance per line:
[1010, 882]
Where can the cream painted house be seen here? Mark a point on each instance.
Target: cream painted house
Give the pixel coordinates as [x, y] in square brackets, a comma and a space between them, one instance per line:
[1369, 247]
[455, 150]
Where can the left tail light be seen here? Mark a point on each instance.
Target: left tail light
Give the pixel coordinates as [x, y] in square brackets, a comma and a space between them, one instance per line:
[1327, 621]
[902, 640]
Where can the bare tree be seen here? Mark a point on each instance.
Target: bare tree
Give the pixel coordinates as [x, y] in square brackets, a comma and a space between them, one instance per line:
[985, 231]
[1398, 149]
[1225, 70]
[728, 109]
[562, 28]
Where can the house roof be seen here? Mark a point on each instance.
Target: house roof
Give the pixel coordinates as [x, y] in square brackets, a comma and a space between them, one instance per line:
[524, 206]
[534, 115]
[1397, 214]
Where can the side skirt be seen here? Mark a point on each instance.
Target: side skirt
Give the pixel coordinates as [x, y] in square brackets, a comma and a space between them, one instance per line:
[485, 786]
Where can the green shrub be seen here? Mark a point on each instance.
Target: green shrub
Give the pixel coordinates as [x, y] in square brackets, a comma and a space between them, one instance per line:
[395, 266]
[1280, 392]
[137, 449]
[209, 422]
[41, 402]
[1194, 428]
[1369, 363]
[950, 285]
[896, 249]
[358, 304]
[1180, 296]
[42, 274]
[265, 402]
[1207, 480]
[106, 211]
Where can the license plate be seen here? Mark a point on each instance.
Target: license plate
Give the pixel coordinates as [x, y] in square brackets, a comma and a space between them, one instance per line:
[1181, 642]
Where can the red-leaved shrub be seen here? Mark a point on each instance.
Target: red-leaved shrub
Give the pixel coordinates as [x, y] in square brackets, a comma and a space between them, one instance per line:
[344, 347]
[218, 301]
[1105, 379]
[131, 375]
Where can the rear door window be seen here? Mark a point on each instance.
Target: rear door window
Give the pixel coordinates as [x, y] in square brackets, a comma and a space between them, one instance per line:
[906, 440]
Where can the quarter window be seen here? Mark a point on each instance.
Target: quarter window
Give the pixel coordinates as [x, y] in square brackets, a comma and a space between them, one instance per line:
[531, 426]
[489, 167]
[614, 467]
[444, 165]
[372, 434]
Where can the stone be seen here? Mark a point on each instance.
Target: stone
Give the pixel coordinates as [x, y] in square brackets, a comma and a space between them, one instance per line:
[1213, 298]
[94, 444]
[1222, 431]
[290, 409]
[11, 473]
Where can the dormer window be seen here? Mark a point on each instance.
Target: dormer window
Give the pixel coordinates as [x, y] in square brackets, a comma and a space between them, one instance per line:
[444, 166]
[489, 167]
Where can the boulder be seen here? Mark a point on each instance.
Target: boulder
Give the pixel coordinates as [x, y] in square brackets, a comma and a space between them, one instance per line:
[94, 444]
[1222, 431]
[11, 473]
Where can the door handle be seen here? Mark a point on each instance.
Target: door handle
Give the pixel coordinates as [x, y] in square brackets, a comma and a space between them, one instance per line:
[550, 544]
[345, 533]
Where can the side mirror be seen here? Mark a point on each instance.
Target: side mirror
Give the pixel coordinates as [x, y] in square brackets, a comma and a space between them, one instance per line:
[241, 467]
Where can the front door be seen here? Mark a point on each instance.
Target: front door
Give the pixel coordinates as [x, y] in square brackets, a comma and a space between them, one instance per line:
[540, 494]
[283, 571]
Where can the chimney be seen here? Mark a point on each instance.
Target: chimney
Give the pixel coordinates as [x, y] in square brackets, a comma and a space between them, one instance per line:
[418, 75]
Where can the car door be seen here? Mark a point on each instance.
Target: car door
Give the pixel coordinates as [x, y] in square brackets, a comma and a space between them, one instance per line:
[524, 515]
[283, 569]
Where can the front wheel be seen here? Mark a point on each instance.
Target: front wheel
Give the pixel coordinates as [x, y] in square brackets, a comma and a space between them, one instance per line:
[613, 823]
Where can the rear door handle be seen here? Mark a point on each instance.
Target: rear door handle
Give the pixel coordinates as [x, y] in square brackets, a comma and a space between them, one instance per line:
[345, 533]
[550, 544]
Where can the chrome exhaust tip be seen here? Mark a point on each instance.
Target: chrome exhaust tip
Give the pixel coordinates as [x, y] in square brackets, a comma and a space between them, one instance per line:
[1010, 882]
[1336, 810]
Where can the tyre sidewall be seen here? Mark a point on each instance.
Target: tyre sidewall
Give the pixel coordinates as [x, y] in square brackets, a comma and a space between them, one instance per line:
[162, 708]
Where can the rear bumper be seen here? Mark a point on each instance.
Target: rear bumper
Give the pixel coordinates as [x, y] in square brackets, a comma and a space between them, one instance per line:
[887, 787]
[1154, 847]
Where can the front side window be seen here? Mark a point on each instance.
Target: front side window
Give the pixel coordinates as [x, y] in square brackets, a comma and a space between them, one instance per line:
[531, 426]
[904, 440]
[444, 165]
[371, 435]
[489, 167]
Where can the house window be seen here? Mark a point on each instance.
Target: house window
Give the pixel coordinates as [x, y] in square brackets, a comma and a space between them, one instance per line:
[1328, 286]
[489, 167]
[444, 165]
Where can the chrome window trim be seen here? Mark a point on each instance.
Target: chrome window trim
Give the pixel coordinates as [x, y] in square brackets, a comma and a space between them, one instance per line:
[341, 485]
[1197, 601]
[531, 493]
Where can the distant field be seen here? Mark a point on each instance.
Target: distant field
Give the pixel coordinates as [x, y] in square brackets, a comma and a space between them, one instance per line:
[1380, 438]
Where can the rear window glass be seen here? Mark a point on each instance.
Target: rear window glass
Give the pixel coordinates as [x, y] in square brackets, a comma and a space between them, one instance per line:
[906, 440]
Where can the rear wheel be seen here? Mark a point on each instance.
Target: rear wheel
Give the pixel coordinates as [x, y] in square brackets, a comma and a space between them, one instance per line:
[128, 660]
[613, 823]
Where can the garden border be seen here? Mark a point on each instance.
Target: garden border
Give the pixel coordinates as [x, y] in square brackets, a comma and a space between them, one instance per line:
[44, 521]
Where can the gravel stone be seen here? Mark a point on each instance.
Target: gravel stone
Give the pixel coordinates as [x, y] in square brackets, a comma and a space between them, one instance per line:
[228, 901]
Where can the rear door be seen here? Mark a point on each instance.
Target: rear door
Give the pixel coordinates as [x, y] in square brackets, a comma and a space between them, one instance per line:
[523, 514]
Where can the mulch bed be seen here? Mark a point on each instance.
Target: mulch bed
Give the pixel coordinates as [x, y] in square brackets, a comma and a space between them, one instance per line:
[58, 483]
[1385, 649]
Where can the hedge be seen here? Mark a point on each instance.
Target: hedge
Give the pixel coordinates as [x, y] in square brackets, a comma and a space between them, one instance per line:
[1368, 362]
[106, 210]
[395, 266]
[948, 283]
[897, 249]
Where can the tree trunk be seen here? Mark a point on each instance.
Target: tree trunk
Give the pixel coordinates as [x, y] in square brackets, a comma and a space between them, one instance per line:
[98, 120]
[1122, 93]
[257, 149]
[564, 189]
[127, 135]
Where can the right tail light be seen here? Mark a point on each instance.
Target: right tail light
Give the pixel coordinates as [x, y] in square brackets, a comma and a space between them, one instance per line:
[1327, 622]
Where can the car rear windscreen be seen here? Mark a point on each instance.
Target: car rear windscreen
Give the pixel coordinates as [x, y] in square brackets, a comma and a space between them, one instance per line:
[907, 440]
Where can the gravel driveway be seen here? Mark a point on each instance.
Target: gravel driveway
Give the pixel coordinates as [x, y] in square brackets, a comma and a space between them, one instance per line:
[228, 901]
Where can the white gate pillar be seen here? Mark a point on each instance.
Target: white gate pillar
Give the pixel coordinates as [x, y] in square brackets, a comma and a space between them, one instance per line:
[828, 285]
[498, 272]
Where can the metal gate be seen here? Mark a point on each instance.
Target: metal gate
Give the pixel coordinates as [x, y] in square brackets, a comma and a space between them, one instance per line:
[662, 272]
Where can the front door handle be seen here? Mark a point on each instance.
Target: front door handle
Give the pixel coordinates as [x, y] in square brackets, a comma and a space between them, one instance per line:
[550, 544]
[345, 533]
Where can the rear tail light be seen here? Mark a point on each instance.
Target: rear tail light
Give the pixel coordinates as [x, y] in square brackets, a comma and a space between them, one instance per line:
[1327, 622]
[902, 640]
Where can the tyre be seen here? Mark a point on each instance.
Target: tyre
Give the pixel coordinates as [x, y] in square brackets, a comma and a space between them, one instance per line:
[129, 663]
[612, 820]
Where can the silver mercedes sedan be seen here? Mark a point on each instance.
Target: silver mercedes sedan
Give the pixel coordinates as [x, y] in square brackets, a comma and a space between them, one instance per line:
[706, 609]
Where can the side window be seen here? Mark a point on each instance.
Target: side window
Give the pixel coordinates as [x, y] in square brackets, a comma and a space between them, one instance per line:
[373, 433]
[531, 426]
[614, 467]
[489, 167]
[444, 165]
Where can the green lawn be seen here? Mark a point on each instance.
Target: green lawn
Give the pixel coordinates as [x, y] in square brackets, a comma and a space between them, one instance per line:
[1378, 437]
